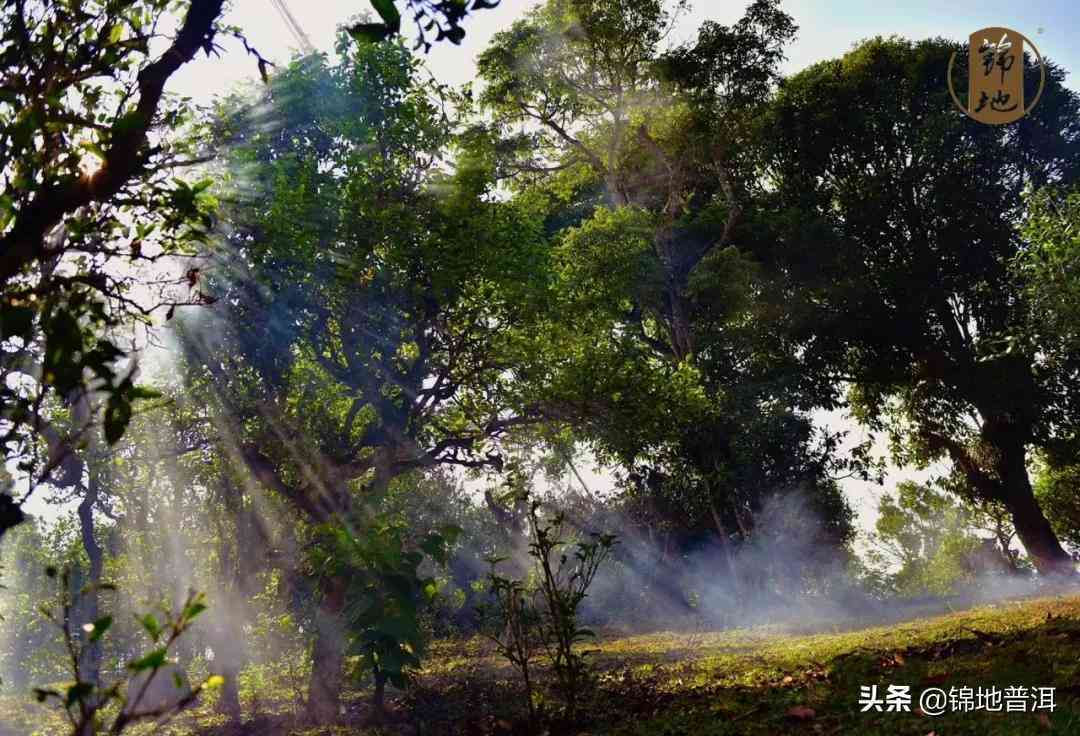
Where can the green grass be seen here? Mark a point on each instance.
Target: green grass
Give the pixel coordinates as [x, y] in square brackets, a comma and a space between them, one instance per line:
[750, 681]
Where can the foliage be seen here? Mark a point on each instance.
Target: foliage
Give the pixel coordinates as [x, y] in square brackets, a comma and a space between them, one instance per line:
[925, 543]
[895, 241]
[395, 270]
[83, 189]
[666, 350]
[512, 622]
[542, 612]
[1048, 267]
[86, 703]
[443, 17]
[1058, 490]
[386, 593]
[563, 583]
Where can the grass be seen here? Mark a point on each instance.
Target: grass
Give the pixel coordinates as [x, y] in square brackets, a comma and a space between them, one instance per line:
[762, 681]
[771, 683]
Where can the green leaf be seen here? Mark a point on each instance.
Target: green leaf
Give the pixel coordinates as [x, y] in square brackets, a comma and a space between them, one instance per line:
[192, 610]
[451, 533]
[16, 321]
[370, 32]
[152, 661]
[78, 692]
[144, 392]
[153, 628]
[41, 694]
[117, 416]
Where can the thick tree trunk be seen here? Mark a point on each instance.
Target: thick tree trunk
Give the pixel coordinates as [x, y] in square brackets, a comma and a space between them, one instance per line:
[1032, 528]
[328, 658]
[228, 646]
[239, 565]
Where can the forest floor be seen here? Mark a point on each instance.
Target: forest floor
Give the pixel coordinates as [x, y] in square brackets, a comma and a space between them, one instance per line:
[757, 681]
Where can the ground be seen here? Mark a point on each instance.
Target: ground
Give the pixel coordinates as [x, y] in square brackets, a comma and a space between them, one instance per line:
[751, 681]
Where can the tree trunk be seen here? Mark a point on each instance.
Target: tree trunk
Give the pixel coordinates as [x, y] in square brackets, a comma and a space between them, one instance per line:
[228, 646]
[328, 658]
[378, 699]
[1035, 531]
[1032, 528]
[229, 703]
[89, 606]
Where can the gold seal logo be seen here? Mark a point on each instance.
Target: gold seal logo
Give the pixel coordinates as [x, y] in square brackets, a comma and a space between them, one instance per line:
[996, 76]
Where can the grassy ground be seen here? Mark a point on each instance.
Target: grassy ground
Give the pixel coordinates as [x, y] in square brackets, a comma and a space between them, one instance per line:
[752, 681]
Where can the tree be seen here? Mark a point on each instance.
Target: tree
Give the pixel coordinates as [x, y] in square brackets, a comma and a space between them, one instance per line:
[374, 290]
[81, 100]
[896, 226]
[924, 541]
[646, 157]
[1058, 491]
[1049, 266]
[89, 193]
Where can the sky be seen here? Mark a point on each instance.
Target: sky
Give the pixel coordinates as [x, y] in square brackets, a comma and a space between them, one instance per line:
[827, 29]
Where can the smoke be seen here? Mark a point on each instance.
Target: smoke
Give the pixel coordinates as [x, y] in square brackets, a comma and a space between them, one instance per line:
[789, 574]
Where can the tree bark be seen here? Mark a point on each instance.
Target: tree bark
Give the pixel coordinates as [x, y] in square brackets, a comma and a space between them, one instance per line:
[328, 658]
[89, 604]
[378, 698]
[1006, 480]
[1034, 530]
[1031, 526]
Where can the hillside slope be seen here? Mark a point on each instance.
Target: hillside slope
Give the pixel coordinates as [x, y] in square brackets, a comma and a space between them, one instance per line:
[758, 682]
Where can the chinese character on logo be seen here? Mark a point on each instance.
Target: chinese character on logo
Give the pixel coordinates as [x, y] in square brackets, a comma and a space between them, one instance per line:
[997, 58]
[997, 54]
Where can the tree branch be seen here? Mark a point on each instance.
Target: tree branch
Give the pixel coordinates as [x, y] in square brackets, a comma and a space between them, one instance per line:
[25, 242]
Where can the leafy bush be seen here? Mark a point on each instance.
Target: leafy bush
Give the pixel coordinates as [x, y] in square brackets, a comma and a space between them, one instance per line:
[541, 613]
[386, 592]
[89, 706]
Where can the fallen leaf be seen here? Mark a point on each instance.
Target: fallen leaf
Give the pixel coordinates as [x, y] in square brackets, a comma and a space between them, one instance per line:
[801, 712]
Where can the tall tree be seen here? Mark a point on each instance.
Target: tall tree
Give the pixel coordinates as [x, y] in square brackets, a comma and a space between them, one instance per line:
[372, 290]
[89, 194]
[646, 156]
[896, 225]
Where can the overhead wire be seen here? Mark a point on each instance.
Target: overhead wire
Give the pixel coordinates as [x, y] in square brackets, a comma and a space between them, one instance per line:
[294, 26]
